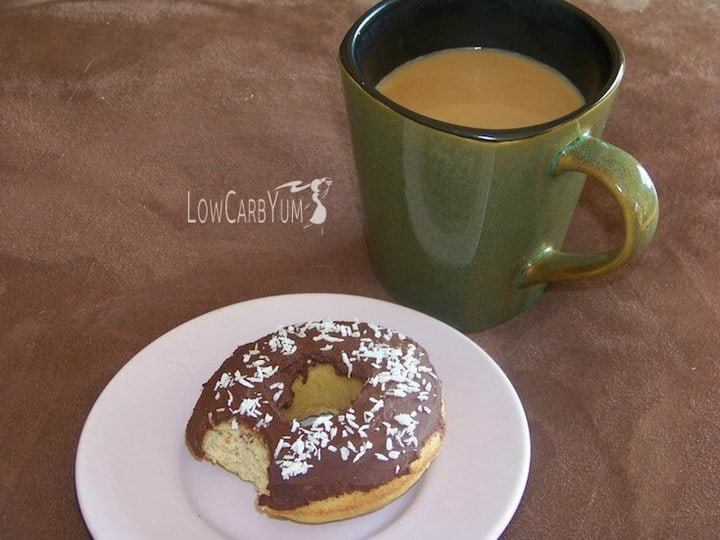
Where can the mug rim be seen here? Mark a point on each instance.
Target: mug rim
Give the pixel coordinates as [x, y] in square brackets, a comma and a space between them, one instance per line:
[351, 67]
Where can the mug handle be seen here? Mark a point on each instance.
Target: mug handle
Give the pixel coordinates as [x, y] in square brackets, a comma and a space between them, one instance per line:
[634, 191]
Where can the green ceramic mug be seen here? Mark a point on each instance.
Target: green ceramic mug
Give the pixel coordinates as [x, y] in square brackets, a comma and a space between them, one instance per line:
[467, 224]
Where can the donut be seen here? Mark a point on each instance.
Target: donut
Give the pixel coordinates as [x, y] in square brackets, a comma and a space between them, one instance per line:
[328, 419]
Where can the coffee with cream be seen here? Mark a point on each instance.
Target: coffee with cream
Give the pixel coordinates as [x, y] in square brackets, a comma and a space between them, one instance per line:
[482, 88]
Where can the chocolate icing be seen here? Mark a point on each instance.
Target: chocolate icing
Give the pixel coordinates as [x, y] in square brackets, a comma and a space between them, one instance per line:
[368, 444]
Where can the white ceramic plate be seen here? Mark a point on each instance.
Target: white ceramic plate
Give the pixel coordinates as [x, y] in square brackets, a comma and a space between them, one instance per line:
[135, 478]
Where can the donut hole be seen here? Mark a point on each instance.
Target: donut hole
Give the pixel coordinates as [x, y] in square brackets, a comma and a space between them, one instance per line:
[323, 391]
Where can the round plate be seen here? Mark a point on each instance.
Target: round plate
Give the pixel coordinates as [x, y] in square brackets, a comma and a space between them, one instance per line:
[136, 479]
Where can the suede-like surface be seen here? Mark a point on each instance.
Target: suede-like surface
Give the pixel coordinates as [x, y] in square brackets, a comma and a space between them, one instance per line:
[116, 117]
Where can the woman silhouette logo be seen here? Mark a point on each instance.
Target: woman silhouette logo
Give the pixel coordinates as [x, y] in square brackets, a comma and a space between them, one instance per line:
[319, 189]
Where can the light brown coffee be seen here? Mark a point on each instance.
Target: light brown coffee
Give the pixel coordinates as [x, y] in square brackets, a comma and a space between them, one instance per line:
[482, 88]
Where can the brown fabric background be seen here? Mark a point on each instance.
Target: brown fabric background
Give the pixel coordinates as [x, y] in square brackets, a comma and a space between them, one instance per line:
[111, 111]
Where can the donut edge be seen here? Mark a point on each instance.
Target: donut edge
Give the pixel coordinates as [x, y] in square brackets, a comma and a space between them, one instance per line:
[357, 503]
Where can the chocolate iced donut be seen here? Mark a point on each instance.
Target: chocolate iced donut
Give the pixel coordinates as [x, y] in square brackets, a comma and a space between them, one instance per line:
[328, 419]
